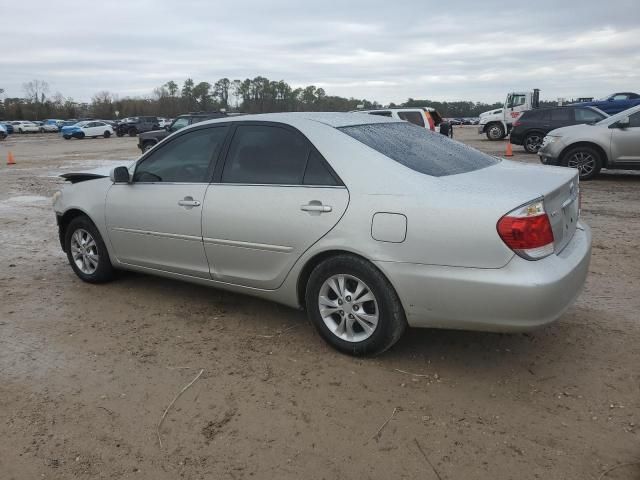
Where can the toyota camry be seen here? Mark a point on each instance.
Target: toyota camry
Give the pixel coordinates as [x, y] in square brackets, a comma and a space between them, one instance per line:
[370, 224]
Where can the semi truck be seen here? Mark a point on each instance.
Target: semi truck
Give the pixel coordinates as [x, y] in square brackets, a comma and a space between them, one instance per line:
[496, 124]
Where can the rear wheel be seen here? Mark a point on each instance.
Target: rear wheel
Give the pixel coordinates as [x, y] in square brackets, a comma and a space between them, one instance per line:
[353, 306]
[533, 142]
[107, 134]
[495, 131]
[86, 251]
[132, 132]
[586, 159]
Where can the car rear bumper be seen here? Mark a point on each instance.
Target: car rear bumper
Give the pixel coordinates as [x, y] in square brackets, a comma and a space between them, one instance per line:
[520, 296]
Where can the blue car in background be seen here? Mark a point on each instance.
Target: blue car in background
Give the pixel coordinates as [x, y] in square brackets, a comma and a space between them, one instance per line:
[614, 103]
[8, 127]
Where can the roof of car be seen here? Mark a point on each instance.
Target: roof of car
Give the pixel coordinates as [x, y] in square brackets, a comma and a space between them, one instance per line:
[332, 119]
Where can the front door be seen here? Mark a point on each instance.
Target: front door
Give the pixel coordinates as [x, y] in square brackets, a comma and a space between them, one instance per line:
[155, 221]
[625, 142]
[275, 197]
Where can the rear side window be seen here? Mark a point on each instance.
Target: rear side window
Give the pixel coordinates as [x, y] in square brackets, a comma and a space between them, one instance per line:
[561, 115]
[262, 154]
[586, 115]
[420, 149]
[412, 117]
[317, 172]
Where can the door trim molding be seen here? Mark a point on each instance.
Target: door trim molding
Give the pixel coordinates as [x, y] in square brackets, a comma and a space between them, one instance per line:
[250, 245]
[176, 236]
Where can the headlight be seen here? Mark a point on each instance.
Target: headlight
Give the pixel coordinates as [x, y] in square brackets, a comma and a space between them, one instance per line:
[548, 140]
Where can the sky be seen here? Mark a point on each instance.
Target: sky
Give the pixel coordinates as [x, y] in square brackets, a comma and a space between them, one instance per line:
[380, 50]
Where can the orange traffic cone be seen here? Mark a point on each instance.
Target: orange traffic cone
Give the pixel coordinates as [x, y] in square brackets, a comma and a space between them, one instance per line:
[509, 152]
[10, 159]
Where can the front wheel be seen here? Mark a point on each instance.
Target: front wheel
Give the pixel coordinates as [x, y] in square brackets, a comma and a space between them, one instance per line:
[107, 134]
[147, 146]
[67, 137]
[533, 142]
[495, 131]
[133, 132]
[586, 159]
[86, 251]
[353, 306]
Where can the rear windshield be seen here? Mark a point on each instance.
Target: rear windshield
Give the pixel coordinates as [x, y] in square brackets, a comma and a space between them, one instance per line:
[420, 149]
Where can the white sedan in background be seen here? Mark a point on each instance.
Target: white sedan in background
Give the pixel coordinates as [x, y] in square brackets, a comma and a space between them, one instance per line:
[25, 127]
[90, 128]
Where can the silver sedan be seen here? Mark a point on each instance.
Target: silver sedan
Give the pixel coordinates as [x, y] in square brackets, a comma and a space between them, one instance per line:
[370, 224]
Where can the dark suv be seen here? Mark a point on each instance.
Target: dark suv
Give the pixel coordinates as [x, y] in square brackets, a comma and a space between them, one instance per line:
[533, 125]
[149, 139]
[132, 126]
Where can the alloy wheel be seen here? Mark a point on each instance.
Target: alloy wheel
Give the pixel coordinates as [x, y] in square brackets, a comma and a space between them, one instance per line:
[348, 308]
[533, 143]
[584, 162]
[84, 251]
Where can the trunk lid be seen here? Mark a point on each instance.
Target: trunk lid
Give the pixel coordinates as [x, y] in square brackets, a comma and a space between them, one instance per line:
[511, 184]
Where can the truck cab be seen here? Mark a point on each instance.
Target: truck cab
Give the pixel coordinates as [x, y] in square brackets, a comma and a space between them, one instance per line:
[497, 124]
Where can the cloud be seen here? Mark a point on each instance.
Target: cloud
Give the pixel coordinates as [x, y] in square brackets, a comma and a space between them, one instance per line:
[381, 50]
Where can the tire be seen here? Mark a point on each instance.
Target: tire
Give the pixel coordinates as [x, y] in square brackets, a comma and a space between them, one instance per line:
[532, 142]
[147, 146]
[119, 133]
[332, 324]
[67, 137]
[586, 159]
[84, 245]
[20, 130]
[132, 132]
[495, 131]
[81, 136]
[107, 134]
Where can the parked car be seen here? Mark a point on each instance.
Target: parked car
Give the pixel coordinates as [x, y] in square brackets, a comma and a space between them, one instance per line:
[614, 103]
[22, 126]
[148, 140]
[132, 126]
[422, 116]
[612, 143]
[91, 129]
[8, 127]
[50, 125]
[3, 132]
[533, 125]
[383, 239]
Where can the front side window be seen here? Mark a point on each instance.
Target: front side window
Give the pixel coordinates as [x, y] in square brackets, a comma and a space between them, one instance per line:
[261, 154]
[620, 96]
[586, 115]
[634, 120]
[420, 149]
[412, 117]
[184, 159]
[517, 100]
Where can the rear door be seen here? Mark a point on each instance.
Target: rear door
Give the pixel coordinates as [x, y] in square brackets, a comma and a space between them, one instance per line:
[155, 221]
[561, 117]
[625, 142]
[274, 197]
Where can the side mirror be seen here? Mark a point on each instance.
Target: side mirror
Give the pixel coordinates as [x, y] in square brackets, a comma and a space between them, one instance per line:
[120, 175]
[623, 123]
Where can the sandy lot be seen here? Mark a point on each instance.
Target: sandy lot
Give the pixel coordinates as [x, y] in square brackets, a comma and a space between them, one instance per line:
[87, 371]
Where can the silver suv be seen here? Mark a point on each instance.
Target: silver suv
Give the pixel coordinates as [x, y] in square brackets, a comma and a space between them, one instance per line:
[612, 143]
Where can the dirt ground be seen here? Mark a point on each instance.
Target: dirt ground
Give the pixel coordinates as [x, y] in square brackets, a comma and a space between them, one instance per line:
[87, 371]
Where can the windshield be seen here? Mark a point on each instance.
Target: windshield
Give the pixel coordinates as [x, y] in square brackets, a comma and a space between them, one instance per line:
[420, 149]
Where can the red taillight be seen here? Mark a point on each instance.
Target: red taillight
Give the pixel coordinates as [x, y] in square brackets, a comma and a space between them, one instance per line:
[517, 123]
[527, 231]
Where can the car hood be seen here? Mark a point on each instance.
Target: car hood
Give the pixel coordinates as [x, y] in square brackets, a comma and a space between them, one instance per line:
[92, 174]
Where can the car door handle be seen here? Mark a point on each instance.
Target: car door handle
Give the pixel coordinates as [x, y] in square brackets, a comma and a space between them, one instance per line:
[316, 206]
[188, 202]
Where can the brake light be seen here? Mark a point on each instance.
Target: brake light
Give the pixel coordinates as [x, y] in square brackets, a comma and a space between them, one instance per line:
[527, 231]
[517, 123]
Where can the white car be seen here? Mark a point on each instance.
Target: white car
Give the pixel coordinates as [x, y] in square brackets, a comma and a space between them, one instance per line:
[90, 128]
[25, 127]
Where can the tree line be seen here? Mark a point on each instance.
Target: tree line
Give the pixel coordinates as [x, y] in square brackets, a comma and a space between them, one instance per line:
[257, 95]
